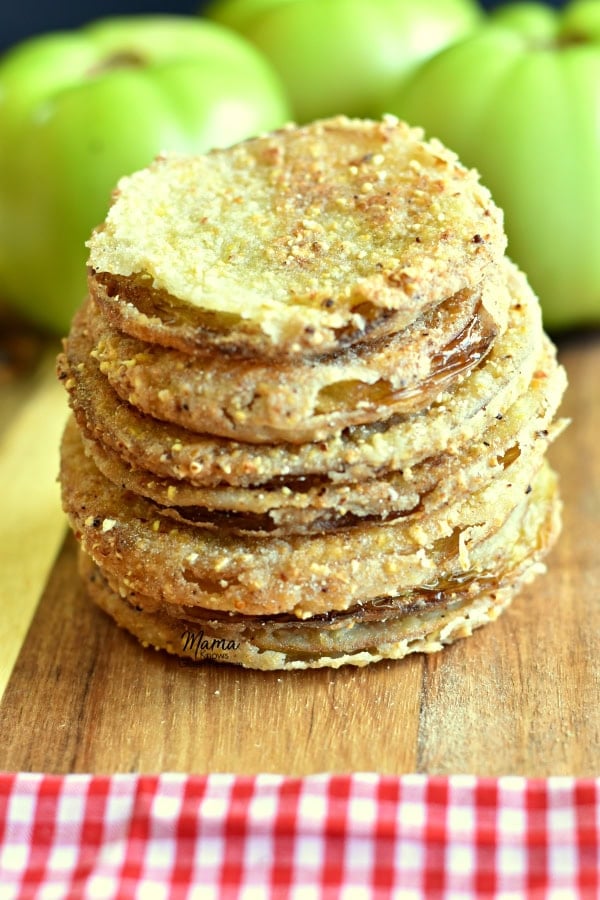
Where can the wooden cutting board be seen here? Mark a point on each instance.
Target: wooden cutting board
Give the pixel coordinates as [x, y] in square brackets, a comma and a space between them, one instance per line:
[520, 697]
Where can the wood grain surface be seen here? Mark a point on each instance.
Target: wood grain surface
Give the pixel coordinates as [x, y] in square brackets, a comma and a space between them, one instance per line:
[520, 697]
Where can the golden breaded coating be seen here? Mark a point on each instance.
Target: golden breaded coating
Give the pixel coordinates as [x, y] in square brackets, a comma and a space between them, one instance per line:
[448, 605]
[303, 400]
[357, 453]
[315, 505]
[298, 241]
[305, 575]
[358, 637]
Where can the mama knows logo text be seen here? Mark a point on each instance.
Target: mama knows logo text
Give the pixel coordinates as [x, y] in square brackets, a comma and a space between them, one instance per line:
[199, 645]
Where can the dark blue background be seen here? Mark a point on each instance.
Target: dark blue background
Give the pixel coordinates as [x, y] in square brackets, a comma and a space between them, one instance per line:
[19, 19]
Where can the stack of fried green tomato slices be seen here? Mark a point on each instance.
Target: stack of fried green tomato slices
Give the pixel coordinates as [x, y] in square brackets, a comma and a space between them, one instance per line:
[312, 400]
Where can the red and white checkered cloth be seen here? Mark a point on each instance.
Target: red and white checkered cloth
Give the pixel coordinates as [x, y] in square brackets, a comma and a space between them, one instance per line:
[323, 836]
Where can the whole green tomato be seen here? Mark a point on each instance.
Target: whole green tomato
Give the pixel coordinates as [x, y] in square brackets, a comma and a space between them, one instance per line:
[78, 110]
[343, 56]
[520, 101]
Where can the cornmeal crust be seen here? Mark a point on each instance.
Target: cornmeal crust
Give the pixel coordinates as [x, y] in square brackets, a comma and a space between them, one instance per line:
[425, 619]
[305, 400]
[426, 631]
[301, 574]
[300, 241]
[356, 454]
[521, 432]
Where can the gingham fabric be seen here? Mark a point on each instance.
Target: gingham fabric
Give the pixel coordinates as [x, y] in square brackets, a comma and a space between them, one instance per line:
[324, 836]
